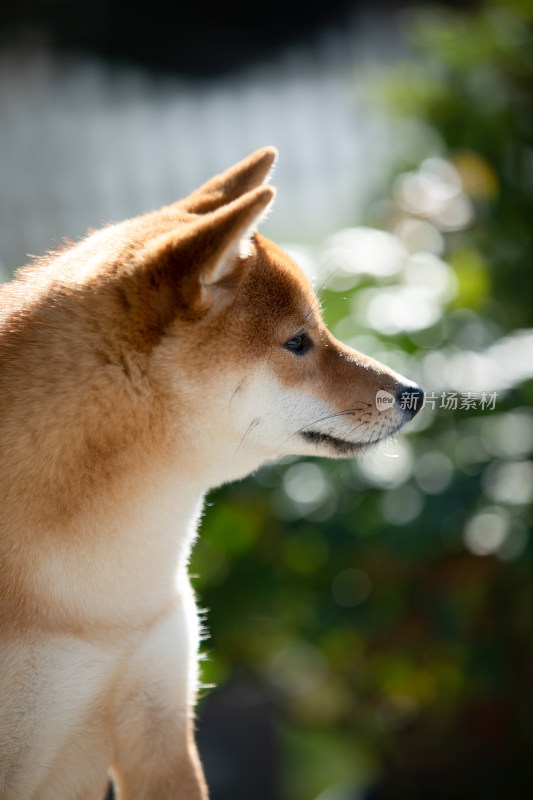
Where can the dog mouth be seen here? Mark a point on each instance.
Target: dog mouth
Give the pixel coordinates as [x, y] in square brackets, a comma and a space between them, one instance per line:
[344, 447]
[341, 446]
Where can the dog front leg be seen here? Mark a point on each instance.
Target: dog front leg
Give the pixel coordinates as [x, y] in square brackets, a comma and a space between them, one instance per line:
[162, 764]
[155, 755]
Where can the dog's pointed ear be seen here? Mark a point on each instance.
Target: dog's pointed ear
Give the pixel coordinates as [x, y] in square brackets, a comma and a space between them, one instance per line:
[248, 174]
[185, 272]
[228, 235]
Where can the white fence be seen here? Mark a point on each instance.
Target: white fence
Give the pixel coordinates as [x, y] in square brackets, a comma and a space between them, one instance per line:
[83, 143]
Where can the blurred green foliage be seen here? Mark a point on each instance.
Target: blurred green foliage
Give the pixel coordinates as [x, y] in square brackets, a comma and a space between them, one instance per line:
[389, 603]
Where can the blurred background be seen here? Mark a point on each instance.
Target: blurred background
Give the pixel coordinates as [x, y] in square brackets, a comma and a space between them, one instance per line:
[371, 622]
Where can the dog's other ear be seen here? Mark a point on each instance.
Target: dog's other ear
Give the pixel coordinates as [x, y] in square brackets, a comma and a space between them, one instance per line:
[248, 174]
[185, 272]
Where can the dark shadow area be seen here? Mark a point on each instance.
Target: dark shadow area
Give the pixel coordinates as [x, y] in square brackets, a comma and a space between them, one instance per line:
[202, 40]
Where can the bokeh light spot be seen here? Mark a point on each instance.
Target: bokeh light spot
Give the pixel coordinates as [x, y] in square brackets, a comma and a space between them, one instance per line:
[487, 531]
[433, 472]
[380, 469]
[351, 587]
[509, 482]
[401, 506]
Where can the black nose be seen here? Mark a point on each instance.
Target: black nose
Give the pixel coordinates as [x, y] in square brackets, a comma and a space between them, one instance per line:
[410, 399]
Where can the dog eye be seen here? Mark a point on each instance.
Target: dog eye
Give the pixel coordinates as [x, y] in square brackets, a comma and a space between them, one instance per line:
[299, 344]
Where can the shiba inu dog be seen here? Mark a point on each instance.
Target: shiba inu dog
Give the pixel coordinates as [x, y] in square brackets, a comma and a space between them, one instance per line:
[154, 360]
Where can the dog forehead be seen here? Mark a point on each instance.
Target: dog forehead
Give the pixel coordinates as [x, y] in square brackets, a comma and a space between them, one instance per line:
[276, 284]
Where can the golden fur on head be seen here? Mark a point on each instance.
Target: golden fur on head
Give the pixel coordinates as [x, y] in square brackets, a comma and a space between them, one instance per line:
[155, 359]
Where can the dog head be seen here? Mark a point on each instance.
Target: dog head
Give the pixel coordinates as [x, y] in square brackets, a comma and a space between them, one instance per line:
[236, 330]
[187, 331]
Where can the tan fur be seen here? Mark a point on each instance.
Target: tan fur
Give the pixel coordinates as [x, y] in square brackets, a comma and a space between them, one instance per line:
[138, 369]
